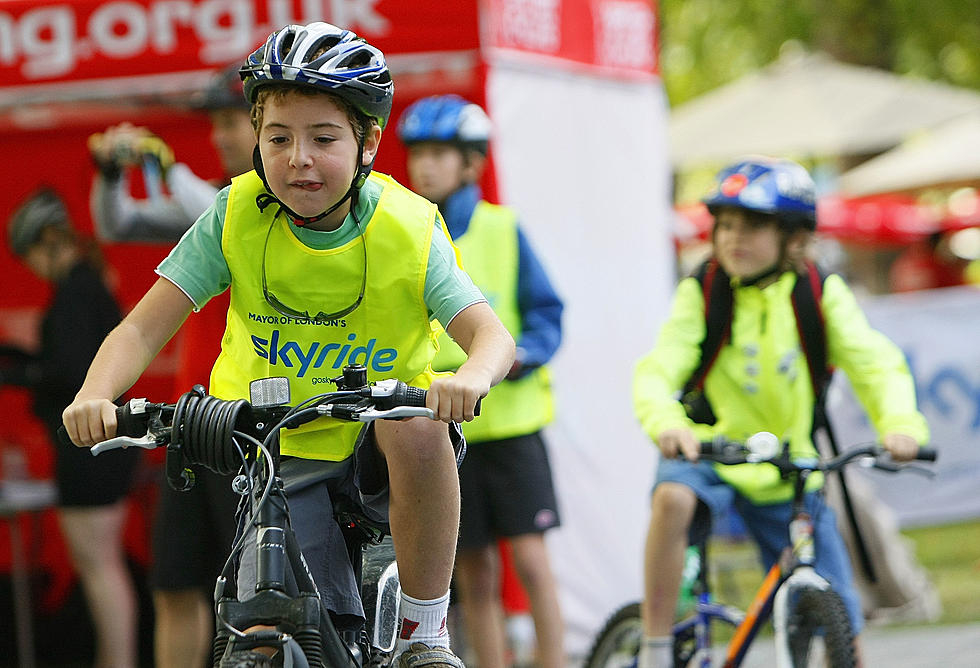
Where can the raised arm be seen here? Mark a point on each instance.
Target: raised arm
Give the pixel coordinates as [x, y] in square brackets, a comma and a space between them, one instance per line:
[122, 358]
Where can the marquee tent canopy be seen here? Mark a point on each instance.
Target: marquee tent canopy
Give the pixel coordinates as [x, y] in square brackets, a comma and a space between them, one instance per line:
[810, 105]
[948, 155]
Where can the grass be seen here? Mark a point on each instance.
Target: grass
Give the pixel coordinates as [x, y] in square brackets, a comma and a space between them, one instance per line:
[950, 554]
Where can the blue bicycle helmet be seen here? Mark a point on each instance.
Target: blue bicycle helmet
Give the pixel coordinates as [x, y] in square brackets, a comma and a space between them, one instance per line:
[446, 119]
[781, 188]
[323, 56]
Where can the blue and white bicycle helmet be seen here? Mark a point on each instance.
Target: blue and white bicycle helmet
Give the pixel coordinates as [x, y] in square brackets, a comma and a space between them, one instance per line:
[446, 119]
[778, 187]
[323, 56]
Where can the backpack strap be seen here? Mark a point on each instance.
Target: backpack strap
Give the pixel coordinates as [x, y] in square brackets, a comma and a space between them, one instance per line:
[717, 290]
[810, 326]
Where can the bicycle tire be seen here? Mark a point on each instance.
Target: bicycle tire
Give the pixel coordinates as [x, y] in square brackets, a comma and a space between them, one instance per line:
[247, 659]
[618, 643]
[816, 609]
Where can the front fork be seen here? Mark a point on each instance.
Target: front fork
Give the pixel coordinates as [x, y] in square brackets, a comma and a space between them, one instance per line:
[798, 560]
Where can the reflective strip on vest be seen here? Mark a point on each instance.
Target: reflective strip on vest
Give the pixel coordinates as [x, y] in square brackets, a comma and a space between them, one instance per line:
[489, 249]
[389, 332]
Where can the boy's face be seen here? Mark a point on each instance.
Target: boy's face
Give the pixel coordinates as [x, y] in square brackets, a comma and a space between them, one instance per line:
[436, 170]
[746, 243]
[309, 153]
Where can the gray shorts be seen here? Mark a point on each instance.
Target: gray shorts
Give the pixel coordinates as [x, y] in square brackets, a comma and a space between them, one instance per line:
[314, 490]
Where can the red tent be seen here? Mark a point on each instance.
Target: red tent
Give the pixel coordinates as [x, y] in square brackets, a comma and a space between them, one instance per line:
[69, 69]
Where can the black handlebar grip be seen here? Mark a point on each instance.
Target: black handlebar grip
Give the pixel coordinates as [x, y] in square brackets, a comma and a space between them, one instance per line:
[128, 424]
[927, 454]
[414, 396]
[63, 437]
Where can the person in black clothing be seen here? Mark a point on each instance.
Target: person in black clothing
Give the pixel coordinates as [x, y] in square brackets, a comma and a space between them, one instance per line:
[91, 492]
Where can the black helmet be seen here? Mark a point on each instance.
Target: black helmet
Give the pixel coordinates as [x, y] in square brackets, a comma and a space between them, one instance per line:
[224, 91]
[323, 56]
[41, 210]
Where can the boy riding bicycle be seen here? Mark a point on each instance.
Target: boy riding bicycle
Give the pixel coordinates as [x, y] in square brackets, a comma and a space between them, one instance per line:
[329, 264]
[764, 216]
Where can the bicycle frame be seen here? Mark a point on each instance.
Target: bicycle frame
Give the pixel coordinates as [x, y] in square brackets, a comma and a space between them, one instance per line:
[297, 623]
[793, 595]
[793, 570]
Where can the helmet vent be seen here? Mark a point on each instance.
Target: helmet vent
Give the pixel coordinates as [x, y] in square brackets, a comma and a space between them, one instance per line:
[287, 44]
[360, 58]
[323, 45]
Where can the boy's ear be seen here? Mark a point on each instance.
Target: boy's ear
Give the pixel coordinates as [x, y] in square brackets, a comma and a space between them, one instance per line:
[473, 165]
[372, 139]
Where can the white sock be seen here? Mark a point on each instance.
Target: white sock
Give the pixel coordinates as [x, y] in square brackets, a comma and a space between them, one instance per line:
[656, 652]
[423, 621]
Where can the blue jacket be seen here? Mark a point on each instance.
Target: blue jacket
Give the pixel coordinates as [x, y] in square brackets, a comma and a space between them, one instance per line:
[539, 304]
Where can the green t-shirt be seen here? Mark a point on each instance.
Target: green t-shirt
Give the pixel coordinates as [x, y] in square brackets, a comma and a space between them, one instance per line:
[197, 266]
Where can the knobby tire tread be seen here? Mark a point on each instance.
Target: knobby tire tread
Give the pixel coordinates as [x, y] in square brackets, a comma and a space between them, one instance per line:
[815, 609]
[621, 635]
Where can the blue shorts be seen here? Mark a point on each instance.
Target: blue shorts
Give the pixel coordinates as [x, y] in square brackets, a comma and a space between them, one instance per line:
[768, 525]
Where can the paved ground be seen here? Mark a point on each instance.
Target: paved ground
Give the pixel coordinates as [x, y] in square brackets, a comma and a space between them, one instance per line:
[955, 646]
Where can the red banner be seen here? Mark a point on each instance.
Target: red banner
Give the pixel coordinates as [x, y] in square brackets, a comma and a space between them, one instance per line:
[616, 38]
[93, 39]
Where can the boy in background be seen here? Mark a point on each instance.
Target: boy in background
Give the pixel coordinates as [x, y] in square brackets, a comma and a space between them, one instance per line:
[764, 216]
[506, 485]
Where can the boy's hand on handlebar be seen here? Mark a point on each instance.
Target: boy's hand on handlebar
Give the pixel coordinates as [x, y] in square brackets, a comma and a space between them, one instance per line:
[679, 441]
[90, 421]
[453, 398]
[901, 447]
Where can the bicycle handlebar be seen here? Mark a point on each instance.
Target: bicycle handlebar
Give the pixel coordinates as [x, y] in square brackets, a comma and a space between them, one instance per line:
[765, 448]
[140, 423]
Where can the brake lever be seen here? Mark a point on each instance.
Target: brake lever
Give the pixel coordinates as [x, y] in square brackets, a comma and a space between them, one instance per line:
[892, 467]
[396, 412]
[122, 442]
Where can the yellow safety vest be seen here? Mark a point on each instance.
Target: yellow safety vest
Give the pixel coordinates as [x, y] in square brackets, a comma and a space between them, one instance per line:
[390, 332]
[489, 249]
[760, 380]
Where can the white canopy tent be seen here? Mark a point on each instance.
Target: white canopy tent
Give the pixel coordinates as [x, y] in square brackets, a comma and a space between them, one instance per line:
[811, 105]
[946, 155]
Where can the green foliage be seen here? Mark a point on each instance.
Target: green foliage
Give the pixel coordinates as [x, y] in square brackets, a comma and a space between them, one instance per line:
[707, 43]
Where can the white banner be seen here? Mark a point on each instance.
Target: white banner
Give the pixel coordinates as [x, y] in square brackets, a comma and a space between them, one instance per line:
[939, 330]
[583, 160]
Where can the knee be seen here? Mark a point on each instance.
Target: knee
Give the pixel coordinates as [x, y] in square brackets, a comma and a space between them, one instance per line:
[418, 441]
[673, 504]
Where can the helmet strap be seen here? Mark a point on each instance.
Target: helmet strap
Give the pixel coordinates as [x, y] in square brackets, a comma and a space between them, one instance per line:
[267, 198]
[763, 275]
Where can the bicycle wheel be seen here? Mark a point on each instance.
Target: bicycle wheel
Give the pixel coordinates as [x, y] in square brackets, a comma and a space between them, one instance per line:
[618, 643]
[820, 614]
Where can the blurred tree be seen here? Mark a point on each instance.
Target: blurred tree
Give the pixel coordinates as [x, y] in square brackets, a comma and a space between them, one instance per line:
[707, 43]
